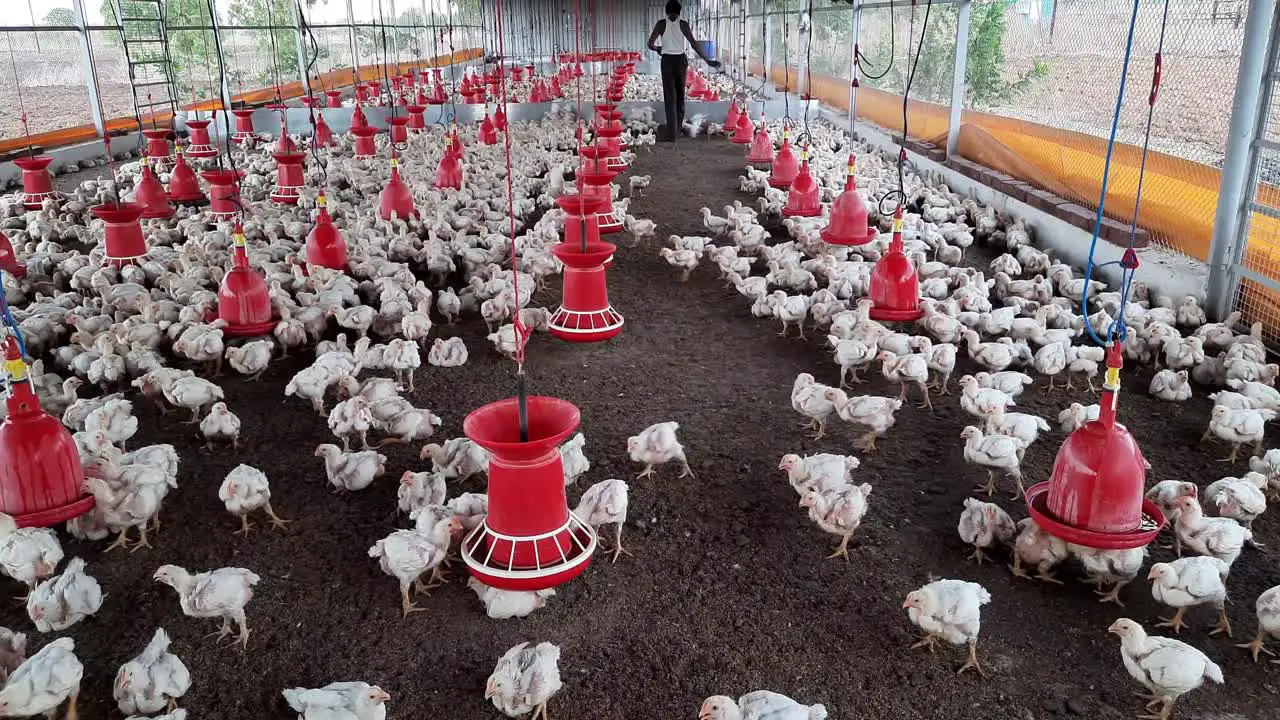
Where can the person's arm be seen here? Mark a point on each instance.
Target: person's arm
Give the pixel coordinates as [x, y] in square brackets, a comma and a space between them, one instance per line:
[684, 28]
[653, 36]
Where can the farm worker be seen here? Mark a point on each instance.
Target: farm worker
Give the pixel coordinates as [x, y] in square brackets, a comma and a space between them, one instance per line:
[676, 39]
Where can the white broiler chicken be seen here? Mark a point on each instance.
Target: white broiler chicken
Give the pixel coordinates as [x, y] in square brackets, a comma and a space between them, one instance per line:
[310, 383]
[402, 357]
[351, 417]
[1267, 608]
[246, 490]
[115, 420]
[982, 402]
[1238, 427]
[655, 445]
[1084, 360]
[575, 462]
[949, 611]
[1189, 582]
[1115, 567]
[605, 503]
[823, 472]
[1051, 360]
[193, 393]
[1242, 499]
[448, 353]
[458, 458]
[351, 471]
[685, 260]
[984, 525]
[1033, 546]
[1218, 537]
[13, 652]
[1170, 386]
[838, 512]
[507, 604]
[525, 678]
[996, 453]
[903, 369]
[153, 681]
[419, 490]
[339, 701]
[251, 358]
[407, 554]
[64, 600]
[873, 412]
[994, 356]
[221, 593]
[759, 705]
[1020, 426]
[812, 399]
[1167, 668]
[220, 425]
[28, 554]
[42, 683]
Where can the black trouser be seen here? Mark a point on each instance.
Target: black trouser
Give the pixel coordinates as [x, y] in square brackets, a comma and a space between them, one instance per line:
[673, 70]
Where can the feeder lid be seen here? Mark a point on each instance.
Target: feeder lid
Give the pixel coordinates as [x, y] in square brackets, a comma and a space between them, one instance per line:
[595, 176]
[118, 213]
[33, 162]
[580, 205]
[496, 426]
[364, 131]
[572, 254]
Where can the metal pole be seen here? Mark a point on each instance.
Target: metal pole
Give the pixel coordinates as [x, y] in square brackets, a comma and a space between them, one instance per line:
[1229, 241]
[957, 75]
[302, 47]
[768, 49]
[87, 66]
[855, 21]
[395, 39]
[226, 86]
[355, 50]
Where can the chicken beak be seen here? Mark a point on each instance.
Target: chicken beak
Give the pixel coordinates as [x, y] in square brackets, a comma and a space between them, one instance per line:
[1151, 575]
[1114, 630]
[489, 690]
[704, 716]
[381, 695]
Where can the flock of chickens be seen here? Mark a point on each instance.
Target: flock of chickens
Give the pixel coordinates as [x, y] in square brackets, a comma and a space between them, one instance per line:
[1025, 317]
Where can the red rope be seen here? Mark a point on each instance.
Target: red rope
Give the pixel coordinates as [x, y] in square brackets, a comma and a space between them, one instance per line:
[522, 334]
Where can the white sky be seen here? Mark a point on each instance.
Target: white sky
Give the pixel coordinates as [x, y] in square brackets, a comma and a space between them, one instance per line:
[32, 12]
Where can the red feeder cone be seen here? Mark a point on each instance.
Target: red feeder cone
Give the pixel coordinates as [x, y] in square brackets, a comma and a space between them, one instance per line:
[362, 94]
[848, 225]
[323, 136]
[158, 147]
[785, 167]
[365, 147]
[37, 186]
[761, 152]
[895, 286]
[9, 259]
[417, 123]
[334, 97]
[289, 177]
[528, 540]
[488, 134]
[150, 194]
[396, 198]
[1095, 495]
[199, 145]
[123, 240]
[744, 131]
[224, 193]
[41, 479]
[358, 120]
[183, 185]
[500, 119]
[585, 314]
[326, 246]
[243, 302]
[731, 117]
[399, 129]
[597, 183]
[244, 126]
[449, 171]
[803, 199]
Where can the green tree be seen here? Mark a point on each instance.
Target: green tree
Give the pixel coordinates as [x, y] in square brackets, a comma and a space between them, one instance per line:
[60, 16]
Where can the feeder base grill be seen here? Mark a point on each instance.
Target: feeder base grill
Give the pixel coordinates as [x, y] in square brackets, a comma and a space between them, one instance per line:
[249, 329]
[833, 239]
[575, 540]
[1146, 532]
[886, 315]
[780, 184]
[57, 515]
[594, 326]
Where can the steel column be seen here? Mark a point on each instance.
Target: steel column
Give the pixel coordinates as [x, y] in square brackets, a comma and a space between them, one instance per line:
[226, 85]
[87, 66]
[302, 47]
[1230, 226]
[957, 75]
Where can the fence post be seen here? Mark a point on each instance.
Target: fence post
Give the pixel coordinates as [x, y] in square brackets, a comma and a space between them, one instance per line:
[1228, 245]
[87, 66]
[957, 75]
[302, 47]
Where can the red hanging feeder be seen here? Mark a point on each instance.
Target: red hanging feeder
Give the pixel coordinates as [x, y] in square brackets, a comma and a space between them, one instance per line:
[322, 136]
[244, 126]
[326, 245]
[848, 224]
[309, 102]
[529, 540]
[449, 171]
[375, 91]
[224, 193]
[1095, 496]
[744, 131]
[158, 147]
[500, 119]
[803, 199]
[243, 302]
[334, 97]
[895, 286]
[585, 314]
[183, 185]
[761, 152]
[37, 186]
[365, 147]
[123, 239]
[417, 122]
[487, 135]
[150, 194]
[358, 120]
[731, 117]
[785, 166]
[199, 145]
[362, 94]
[597, 186]
[9, 259]
[41, 479]
[399, 129]
[289, 177]
[396, 197]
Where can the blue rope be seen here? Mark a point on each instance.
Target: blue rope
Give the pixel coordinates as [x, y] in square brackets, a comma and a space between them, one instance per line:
[11, 323]
[1106, 175]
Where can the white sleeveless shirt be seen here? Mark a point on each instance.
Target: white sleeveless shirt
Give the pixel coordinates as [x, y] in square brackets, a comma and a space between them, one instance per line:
[673, 40]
